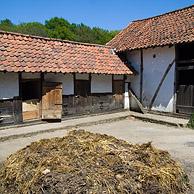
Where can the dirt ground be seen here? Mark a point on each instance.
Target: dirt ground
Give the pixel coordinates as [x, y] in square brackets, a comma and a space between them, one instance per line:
[178, 141]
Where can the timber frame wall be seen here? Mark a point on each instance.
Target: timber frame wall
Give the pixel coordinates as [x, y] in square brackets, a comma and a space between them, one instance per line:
[11, 109]
[184, 78]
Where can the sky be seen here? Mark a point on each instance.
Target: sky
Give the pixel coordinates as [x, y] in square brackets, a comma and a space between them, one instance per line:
[107, 14]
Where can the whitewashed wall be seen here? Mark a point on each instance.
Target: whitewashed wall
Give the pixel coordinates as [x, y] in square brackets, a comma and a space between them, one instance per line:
[154, 69]
[126, 97]
[134, 58]
[9, 85]
[118, 77]
[65, 79]
[83, 76]
[101, 83]
[30, 75]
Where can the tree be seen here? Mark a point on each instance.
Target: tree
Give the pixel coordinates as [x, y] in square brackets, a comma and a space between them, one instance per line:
[62, 29]
[32, 28]
[6, 25]
[59, 28]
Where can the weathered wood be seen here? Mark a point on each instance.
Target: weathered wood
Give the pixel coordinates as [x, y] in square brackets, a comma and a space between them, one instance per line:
[52, 100]
[118, 87]
[94, 103]
[6, 111]
[20, 84]
[11, 111]
[31, 109]
[185, 68]
[141, 75]
[17, 110]
[160, 84]
[185, 99]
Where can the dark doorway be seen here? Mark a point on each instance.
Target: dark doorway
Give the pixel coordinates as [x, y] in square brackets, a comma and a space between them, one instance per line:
[185, 78]
[31, 97]
[118, 87]
[31, 89]
[82, 87]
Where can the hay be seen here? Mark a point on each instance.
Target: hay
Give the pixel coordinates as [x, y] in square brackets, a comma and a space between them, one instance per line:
[83, 162]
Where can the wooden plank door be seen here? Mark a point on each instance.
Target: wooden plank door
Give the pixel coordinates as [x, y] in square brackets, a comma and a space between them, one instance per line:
[118, 91]
[51, 100]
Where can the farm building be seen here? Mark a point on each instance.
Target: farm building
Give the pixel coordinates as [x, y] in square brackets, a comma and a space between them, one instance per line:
[161, 50]
[42, 78]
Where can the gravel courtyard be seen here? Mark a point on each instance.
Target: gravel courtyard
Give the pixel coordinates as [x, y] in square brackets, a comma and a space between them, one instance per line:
[178, 141]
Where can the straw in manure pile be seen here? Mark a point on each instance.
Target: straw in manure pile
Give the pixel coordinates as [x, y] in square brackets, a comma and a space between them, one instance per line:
[84, 162]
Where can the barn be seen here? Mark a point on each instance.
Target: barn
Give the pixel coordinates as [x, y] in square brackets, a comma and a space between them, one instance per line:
[42, 78]
[161, 50]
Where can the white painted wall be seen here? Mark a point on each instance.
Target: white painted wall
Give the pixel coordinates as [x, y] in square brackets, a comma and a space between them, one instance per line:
[126, 97]
[9, 85]
[101, 83]
[134, 58]
[30, 75]
[82, 76]
[154, 69]
[117, 77]
[65, 79]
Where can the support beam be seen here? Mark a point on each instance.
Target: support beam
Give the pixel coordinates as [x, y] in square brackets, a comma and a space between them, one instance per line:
[141, 75]
[20, 84]
[90, 80]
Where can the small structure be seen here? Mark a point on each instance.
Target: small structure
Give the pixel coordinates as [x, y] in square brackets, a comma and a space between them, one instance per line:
[42, 78]
[161, 50]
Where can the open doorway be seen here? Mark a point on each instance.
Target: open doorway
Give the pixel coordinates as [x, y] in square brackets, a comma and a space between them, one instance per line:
[185, 78]
[31, 97]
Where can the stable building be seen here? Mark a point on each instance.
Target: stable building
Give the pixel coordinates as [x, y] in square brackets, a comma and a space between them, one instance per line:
[42, 78]
[161, 50]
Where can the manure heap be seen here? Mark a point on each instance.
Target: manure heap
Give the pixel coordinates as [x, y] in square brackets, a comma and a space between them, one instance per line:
[84, 162]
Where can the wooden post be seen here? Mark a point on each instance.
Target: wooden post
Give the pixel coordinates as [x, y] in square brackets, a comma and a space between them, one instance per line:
[112, 84]
[20, 84]
[17, 110]
[141, 76]
[74, 78]
[175, 81]
[90, 79]
[41, 92]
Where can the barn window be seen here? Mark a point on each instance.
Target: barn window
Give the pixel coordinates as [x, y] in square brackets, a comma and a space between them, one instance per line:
[82, 87]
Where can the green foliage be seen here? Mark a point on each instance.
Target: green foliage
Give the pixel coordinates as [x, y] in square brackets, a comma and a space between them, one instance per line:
[62, 29]
[7, 25]
[191, 122]
[32, 28]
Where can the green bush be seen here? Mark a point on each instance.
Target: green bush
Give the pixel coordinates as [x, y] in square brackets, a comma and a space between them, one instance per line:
[191, 121]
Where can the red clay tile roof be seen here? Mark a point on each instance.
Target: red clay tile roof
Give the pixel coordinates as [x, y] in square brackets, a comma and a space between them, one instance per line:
[26, 53]
[166, 29]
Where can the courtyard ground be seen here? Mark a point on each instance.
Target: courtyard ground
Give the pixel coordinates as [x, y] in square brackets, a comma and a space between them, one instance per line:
[178, 141]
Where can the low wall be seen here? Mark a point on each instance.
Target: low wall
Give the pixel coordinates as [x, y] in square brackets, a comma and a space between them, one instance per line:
[95, 103]
[10, 111]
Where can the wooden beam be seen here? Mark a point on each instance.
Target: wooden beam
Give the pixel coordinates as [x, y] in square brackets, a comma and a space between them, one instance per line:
[20, 84]
[160, 84]
[112, 83]
[141, 75]
[90, 80]
[190, 67]
[41, 92]
[185, 61]
[74, 78]
[175, 81]
[41, 83]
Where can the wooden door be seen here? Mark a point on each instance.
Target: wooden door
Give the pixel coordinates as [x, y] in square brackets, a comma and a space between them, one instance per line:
[118, 86]
[51, 100]
[118, 90]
